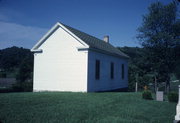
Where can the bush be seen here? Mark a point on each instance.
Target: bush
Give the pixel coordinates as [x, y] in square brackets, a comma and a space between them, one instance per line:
[2, 75]
[147, 95]
[18, 87]
[5, 90]
[22, 87]
[173, 97]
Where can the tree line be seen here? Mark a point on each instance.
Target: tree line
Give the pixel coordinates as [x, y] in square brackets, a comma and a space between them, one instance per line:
[159, 36]
[17, 63]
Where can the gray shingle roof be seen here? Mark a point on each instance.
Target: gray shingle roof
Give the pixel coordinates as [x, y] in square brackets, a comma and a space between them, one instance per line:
[96, 43]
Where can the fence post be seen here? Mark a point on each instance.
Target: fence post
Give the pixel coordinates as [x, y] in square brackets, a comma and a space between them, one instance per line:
[136, 87]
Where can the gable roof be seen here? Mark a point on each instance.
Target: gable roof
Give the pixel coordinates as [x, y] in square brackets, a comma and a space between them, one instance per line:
[96, 43]
[89, 40]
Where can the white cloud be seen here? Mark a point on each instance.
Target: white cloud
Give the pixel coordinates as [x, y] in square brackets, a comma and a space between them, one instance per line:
[12, 34]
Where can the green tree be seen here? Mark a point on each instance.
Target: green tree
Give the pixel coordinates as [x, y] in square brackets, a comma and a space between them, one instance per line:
[137, 71]
[24, 76]
[12, 57]
[159, 36]
[25, 70]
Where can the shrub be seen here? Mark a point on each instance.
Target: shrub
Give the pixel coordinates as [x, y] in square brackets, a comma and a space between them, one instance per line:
[147, 95]
[18, 87]
[2, 75]
[173, 97]
[5, 90]
[22, 87]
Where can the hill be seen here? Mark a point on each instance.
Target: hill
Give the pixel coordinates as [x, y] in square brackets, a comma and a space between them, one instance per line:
[11, 58]
[17, 64]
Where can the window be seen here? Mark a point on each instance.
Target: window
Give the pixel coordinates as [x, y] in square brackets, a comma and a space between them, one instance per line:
[97, 70]
[122, 72]
[112, 70]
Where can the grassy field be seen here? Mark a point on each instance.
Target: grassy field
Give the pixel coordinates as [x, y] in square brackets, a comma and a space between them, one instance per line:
[53, 107]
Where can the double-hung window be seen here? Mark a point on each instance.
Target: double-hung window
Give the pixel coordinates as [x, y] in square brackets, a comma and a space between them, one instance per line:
[122, 72]
[97, 70]
[112, 70]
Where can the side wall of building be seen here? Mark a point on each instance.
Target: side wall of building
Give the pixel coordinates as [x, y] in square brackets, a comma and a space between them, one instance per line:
[60, 66]
[105, 81]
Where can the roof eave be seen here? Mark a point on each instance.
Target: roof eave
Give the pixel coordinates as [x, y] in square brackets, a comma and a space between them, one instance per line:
[102, 51]
[37, 51]
[108, 53]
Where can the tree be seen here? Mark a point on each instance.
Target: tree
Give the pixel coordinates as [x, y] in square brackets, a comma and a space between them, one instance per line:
[159, 36]
[25, 69]
[137, 71]
[11, 58]
[24, 76]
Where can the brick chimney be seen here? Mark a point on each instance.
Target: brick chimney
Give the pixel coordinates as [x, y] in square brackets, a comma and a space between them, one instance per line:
[106, 39]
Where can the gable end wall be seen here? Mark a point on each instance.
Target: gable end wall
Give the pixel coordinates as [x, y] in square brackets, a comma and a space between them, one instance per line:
[60, 66]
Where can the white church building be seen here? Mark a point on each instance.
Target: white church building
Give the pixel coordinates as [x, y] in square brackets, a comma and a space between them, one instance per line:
[66, 59]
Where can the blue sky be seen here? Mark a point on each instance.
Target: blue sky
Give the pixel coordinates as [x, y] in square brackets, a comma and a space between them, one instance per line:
[24, 22]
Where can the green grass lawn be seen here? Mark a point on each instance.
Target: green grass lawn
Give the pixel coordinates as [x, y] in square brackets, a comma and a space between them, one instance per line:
[53, 107]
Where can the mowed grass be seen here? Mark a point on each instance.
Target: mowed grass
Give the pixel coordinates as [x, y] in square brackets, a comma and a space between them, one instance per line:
[54, 107]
